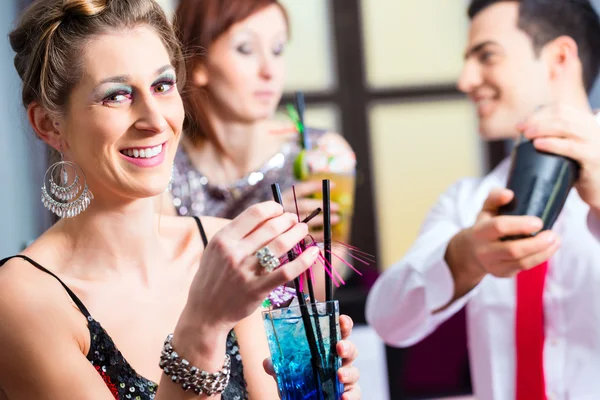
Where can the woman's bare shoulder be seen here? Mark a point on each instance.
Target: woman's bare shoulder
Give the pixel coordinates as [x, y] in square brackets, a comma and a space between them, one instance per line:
[42, 336]
[26, 288]
[33, 300]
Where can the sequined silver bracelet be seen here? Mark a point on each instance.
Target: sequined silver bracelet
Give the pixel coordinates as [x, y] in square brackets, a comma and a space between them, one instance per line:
[192, 378]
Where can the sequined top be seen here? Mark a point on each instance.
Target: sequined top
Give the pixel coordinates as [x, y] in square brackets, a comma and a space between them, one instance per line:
[193, 194]
[119, 376]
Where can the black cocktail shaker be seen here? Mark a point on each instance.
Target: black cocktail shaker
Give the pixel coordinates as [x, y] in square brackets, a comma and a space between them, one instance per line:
[540, 181]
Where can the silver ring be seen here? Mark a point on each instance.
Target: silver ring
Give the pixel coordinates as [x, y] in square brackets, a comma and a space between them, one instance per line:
[267, 259]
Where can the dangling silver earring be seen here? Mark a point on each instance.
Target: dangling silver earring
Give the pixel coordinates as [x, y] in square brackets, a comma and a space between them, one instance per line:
[69, 198]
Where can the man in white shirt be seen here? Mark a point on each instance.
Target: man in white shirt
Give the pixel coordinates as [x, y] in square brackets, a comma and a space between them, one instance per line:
[520, 55]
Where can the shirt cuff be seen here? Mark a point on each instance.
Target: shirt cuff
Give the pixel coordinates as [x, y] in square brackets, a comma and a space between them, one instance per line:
[440, 284]
[438, 279]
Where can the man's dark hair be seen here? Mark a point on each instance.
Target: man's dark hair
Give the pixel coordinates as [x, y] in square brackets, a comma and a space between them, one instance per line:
[545, 20]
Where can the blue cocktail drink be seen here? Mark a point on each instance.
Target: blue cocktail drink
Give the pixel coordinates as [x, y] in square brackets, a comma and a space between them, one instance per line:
[301, 375]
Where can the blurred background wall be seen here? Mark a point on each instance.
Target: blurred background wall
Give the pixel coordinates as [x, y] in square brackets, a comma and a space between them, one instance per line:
[381, 72]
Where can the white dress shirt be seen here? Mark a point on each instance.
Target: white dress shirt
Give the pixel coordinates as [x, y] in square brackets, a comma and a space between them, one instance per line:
[402, 300]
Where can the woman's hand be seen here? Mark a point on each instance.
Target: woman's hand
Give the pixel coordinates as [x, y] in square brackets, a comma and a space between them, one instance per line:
[230, 283]
[348, 374]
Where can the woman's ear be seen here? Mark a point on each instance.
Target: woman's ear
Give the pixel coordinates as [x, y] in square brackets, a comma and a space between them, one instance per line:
[46, 127]
[199, 74]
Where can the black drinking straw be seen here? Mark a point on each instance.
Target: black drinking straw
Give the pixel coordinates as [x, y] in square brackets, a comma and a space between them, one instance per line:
[300, 106]
[311, 215]
[327, 232]
[309, 282]
[310, 334]
[328, 281]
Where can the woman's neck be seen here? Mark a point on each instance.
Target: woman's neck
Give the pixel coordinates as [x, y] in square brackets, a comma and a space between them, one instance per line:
[237, 149]
[121, 238]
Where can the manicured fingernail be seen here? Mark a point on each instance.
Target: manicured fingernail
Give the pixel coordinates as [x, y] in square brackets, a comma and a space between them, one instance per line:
[313, 251]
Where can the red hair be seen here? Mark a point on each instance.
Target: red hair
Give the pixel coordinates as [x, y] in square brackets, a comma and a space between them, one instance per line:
[199, 23]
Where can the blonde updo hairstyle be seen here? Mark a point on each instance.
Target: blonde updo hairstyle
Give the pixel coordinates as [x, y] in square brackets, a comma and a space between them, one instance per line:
[51, 34]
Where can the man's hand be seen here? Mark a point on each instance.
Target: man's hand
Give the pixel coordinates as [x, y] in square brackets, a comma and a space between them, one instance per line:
[571, 132]
[478, 250]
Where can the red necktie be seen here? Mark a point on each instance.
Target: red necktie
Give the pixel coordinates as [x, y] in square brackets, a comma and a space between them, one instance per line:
[530, 384]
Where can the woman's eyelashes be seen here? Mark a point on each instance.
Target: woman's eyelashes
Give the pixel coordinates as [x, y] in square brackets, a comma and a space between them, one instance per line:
[247, 49]
[122, 93]
[117, 95]
[279, 49]
[244, 49]
[164, 84]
